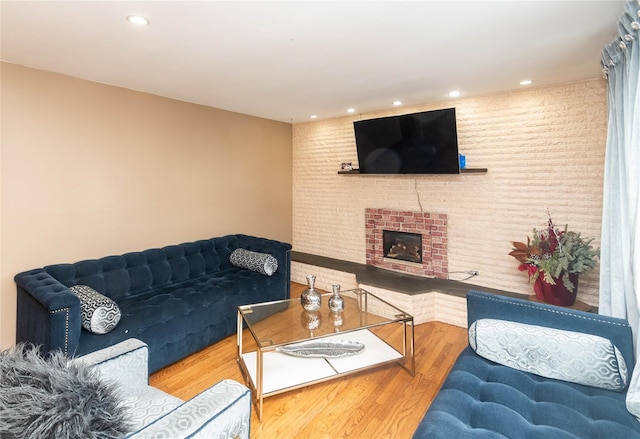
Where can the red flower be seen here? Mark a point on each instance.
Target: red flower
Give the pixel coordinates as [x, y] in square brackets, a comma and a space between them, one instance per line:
[530, 269]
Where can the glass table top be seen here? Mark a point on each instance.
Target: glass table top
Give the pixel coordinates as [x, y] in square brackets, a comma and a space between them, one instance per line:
[274, 324]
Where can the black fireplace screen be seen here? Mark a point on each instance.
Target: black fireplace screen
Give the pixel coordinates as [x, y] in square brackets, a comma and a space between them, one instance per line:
[402, 245]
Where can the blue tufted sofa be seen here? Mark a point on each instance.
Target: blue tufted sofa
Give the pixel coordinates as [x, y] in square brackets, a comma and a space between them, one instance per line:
[484, 399]
[177, 299]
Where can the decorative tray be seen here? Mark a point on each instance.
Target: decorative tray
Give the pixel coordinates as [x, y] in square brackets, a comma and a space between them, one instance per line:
[322, 348]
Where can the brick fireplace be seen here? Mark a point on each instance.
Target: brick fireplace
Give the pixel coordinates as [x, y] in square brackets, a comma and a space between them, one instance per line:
[432, 227]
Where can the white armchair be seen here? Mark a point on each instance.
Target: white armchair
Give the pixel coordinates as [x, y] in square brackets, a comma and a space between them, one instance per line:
[221, 411]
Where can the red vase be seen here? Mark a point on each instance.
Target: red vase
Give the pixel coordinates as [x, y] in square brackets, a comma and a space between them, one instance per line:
[556, 294]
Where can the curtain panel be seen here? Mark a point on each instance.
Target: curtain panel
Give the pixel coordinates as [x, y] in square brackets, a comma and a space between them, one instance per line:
[620, 243]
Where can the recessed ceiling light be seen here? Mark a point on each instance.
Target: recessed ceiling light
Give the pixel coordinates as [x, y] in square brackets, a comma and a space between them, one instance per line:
[397, 103]
[313, 116]
[351, 110]
[526, 82]
[454, 94]
[137, 20]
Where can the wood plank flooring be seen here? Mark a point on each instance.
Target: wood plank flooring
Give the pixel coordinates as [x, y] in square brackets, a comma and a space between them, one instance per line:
[380, 403]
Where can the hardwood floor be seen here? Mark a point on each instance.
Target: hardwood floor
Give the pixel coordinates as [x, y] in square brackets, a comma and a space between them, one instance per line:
[380, 403]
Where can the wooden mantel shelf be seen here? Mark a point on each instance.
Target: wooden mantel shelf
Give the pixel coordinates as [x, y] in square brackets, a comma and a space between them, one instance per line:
[579, 305]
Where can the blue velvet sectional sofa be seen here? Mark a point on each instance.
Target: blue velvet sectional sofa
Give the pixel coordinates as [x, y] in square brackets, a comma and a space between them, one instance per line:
[177, 299]
[534, 371]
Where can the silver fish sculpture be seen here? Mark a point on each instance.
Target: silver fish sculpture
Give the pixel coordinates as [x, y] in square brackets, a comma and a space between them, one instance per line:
[322, 348]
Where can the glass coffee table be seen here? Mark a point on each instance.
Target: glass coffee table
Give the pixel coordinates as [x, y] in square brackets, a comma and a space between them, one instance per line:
[269, 335]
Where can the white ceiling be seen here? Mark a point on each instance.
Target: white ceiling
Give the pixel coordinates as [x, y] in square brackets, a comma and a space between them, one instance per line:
[288, 60]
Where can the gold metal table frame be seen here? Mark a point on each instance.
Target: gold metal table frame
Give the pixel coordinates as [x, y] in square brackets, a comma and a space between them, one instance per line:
[264, 327]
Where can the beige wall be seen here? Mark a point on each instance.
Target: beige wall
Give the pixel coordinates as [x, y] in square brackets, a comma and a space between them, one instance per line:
[90, 170]
[544, 148]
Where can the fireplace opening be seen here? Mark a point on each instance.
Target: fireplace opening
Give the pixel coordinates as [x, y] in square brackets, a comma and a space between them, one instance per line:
[402, 245]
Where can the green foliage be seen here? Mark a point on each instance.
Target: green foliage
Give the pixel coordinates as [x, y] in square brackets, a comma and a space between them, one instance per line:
[573, 255]
[556, 254]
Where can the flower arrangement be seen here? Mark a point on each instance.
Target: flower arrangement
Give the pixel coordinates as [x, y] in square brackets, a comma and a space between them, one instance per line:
[555, 254]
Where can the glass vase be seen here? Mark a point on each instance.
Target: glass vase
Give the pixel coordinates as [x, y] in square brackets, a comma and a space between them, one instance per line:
[310, 298]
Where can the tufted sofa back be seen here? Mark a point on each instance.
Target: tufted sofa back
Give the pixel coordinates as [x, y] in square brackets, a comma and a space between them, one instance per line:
[119, 277]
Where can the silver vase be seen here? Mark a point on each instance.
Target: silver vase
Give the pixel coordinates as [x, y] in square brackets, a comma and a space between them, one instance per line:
[310, 298]
[336, 302]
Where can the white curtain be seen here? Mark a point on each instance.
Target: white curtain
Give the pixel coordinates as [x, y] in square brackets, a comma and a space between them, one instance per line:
[620, 249]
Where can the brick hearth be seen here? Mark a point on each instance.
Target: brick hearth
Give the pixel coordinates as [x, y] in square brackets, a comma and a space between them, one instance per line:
[432, 227]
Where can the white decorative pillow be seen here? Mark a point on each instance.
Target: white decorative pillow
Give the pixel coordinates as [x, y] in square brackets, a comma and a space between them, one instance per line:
[261, 262]
[99, 313]
[577, 357]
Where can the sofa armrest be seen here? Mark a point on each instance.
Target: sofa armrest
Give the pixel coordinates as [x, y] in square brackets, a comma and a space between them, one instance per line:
[48, 313]
[125, 364]
[222, 411]
[482, 305]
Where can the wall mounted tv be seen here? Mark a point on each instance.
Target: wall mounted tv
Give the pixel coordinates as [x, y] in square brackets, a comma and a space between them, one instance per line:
[418, 143]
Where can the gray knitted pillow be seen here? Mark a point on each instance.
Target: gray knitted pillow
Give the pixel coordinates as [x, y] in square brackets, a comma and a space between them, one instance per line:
[99, 313]
[261, 262]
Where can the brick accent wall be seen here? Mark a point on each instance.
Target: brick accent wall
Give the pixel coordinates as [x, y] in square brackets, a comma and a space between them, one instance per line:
[432, 227]
[544, 149]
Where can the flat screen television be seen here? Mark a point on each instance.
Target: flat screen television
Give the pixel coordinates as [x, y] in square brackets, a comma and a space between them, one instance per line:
[418, 143]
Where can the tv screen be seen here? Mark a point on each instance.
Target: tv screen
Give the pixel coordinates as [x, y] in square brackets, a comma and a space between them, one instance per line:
[419, 143]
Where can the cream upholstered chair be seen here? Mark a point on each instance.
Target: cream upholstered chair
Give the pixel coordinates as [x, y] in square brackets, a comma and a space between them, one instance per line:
[221, 411]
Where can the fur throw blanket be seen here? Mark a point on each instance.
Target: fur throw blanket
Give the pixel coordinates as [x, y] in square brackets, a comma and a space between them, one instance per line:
[48, 397]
